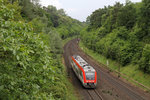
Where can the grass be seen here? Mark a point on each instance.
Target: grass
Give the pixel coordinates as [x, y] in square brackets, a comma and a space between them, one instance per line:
[130, 70]
[71, 93]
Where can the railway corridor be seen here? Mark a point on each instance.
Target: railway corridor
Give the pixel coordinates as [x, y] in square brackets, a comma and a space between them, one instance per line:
[108, 87]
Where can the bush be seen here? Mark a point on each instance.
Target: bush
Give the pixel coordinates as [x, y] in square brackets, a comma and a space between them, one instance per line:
[27, 69]
[144, 63]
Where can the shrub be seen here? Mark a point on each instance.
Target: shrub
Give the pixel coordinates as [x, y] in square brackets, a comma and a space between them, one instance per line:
[27, 70]
[144, 63]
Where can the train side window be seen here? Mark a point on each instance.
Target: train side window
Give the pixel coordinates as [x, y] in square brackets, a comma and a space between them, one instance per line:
[75, 65]
[80, 72]
[82, 75]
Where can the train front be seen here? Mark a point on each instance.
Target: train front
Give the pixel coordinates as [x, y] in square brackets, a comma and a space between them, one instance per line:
[90, 78]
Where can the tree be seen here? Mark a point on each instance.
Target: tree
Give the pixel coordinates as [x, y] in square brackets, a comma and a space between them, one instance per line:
[61, 12]
[55, 42]
[36, 2]
[96, 18]
[127, 16]
[88, 19]
[144, 21]
[27, 9]
[144, 63]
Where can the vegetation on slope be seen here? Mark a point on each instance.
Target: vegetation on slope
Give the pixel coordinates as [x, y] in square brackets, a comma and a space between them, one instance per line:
[121, 32]
[30, 50]
[131, 70]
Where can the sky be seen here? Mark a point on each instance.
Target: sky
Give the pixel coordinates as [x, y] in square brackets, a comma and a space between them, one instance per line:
[81, 9]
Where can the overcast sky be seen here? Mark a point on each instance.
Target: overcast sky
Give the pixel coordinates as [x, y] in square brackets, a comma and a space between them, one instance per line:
[80, 9]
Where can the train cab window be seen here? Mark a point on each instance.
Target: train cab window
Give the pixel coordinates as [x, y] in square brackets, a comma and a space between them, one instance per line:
[90, 75]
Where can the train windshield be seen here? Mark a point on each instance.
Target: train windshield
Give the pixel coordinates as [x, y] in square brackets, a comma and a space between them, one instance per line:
[90, 75]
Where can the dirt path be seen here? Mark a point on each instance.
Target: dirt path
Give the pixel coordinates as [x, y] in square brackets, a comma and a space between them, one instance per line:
[109, 87]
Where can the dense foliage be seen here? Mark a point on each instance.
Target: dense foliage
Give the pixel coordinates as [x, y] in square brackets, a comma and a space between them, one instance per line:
[121, 32]
[30, 49]
[49, 18]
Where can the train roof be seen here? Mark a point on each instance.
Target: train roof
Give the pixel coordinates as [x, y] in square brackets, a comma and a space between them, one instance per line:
[83, 63]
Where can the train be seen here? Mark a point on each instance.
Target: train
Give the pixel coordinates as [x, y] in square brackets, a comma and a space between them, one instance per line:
[85, 72]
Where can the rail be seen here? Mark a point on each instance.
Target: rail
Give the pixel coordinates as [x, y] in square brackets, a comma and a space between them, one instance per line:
[94, 95]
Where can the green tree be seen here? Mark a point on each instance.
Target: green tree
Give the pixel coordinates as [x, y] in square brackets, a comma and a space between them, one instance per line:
[127, 16]
[144, 21]
[144, 63]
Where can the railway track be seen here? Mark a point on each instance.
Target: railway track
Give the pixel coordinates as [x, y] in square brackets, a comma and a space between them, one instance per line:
[94, 95]
[109, 87]
[133, 94]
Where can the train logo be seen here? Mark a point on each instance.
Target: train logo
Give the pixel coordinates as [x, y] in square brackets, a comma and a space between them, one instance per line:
[86, 73]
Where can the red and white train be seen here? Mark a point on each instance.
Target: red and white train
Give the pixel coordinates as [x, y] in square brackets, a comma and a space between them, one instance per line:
[86, 73]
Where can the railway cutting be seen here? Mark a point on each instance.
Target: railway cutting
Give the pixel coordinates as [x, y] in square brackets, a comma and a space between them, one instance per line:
[108, 87]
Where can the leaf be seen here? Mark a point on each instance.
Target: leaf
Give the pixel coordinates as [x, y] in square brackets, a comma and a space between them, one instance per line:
[1, 87]
[5, 48]
[14, 52]
[12, 83]
[18, 58]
